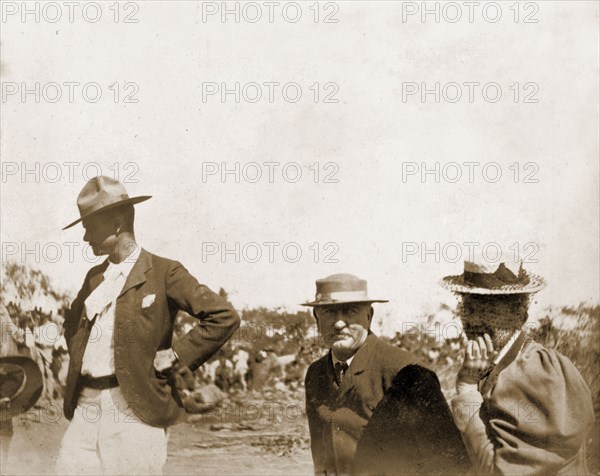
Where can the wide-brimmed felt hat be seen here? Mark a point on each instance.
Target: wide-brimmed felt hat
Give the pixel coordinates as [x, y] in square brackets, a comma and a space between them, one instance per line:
[100, 194]
[494, 278]
[22, 382]
[341, 289]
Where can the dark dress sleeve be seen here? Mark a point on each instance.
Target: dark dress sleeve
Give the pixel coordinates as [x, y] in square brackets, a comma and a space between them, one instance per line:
[411, 431]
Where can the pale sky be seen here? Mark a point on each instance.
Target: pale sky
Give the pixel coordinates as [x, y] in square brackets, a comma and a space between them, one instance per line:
[373, 216]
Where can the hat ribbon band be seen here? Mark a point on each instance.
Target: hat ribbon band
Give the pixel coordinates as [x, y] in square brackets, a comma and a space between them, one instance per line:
[501, 277]
[343, 296]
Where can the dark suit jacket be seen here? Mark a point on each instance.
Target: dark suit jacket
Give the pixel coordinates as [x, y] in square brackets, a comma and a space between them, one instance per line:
[343, 440]
[142, 331]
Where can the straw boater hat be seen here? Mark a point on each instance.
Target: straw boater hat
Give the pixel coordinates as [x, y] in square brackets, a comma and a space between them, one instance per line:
[341, 289]
[506, 277]
[21, 383]
[100, 194]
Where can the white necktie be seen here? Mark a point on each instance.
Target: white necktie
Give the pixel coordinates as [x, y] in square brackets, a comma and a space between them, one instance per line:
[105, 293]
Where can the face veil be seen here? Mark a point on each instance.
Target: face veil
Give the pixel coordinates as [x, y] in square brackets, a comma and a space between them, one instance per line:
[497, 315]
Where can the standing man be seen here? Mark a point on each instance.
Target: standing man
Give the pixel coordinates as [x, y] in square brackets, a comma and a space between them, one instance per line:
[119, 394]
[372, 409]
[521, 408]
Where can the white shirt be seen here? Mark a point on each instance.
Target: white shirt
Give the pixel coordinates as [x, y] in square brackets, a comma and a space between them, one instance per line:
[99, 356]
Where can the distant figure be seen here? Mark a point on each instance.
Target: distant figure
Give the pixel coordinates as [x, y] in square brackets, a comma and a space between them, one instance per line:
[209, 371]
[224, 374]
[294, 374]
[371, 407]
[521, 408]
[60, 363]
[256, 376]
[46, 335]
[240, 368]
[265, 371]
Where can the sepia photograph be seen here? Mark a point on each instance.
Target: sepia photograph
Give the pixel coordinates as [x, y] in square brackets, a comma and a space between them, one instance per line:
[312, 237]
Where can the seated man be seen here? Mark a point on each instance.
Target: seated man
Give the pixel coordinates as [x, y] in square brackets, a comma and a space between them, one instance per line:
[372, 409]
[524, 409]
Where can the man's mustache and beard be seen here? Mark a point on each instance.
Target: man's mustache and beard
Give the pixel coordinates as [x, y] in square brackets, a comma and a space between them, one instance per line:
[499, 316]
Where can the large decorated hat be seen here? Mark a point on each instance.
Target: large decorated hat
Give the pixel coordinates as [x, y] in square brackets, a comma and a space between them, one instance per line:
[506, 277]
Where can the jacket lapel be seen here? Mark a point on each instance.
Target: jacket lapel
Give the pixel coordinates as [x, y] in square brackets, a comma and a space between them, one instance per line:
[93, 283]
[330, 376]
[137, 275]
[81, 336]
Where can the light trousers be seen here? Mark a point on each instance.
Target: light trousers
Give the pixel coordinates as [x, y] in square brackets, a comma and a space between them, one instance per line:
[105, 437]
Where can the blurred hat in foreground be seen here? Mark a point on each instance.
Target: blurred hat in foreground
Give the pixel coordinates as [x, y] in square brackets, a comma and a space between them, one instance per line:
[21, 382]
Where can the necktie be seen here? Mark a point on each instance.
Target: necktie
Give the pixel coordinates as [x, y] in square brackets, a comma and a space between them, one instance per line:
[340, 370]
[104, 294]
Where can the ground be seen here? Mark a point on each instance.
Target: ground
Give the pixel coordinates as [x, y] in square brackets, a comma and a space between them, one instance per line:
[260, 437]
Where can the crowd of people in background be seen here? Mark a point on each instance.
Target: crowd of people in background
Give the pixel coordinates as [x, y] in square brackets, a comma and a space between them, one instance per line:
[238, 368]
[241, 366]
[234, 369]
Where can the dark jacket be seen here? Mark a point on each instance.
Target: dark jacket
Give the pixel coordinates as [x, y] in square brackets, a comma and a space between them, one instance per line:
[142, 331]
[344, 440]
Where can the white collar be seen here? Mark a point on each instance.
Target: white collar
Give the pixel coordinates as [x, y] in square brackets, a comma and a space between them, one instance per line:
[115, 276]
[347, 361]
[507, 346]
[125, 266]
